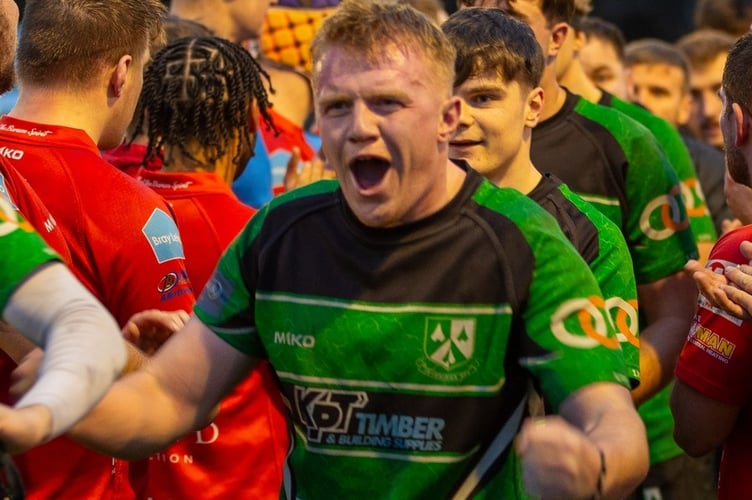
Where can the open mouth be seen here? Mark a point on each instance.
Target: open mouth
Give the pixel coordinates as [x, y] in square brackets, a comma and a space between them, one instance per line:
[369, 172]
[463, 144]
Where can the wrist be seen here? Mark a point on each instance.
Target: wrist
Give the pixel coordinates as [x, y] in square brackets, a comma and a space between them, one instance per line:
[601, 477]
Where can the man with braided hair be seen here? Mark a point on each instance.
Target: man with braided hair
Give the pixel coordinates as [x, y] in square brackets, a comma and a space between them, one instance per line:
[278, 151]
[77, 95]
[203, 141]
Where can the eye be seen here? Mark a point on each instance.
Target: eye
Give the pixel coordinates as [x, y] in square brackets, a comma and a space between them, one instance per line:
[336, 108]
[387, 103]
[482, 99]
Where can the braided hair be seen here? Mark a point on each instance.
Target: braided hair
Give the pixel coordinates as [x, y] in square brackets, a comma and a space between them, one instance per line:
[199, 91]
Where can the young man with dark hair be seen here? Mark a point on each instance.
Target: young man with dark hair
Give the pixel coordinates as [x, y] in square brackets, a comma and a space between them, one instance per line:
[616, 164]
[497, 75]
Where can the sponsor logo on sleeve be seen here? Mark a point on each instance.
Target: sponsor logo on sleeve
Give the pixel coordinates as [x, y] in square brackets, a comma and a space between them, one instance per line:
[581, 323]
[663, 216]
[711, 343]
[216, 294]
[694, 199]
[623, 314]
[163, 237]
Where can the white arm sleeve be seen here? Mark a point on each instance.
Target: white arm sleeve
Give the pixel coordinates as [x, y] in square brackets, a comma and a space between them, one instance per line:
[84, 351]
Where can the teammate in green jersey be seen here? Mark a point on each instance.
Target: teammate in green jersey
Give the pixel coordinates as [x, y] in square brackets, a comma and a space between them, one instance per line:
[499, 109]
[84, 351]
[405, 308]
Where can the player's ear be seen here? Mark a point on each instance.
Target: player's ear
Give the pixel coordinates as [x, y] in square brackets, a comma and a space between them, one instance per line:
[450, 118]
[741, 119]
[559, 32]
[119, 74]
[533, 107]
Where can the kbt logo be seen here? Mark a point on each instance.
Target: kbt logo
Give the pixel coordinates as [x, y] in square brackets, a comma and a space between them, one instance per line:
[323, 410]
[664, 215]
[13, 154]
[582, 323]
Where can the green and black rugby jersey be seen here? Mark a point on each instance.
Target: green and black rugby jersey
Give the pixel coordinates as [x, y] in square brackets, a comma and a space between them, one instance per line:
[678, 155]
[23, 251]
[600, 242]
[405, 353]
[614, 163]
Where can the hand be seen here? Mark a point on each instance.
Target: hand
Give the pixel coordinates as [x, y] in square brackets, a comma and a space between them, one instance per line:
[311, 171]
[558, 460]
[729, 225]
[738, 290]
[24, 428]
[151, 328]
[25, 374]
[712, 286]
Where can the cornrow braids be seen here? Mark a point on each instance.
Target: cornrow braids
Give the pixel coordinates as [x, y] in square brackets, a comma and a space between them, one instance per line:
[198, 91]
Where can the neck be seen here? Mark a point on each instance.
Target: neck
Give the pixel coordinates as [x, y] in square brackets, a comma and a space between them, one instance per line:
[520, 174]
[210, 14]
[455, 179]
[177, 162]
[575, 79]
[553, 95]
[86, 110]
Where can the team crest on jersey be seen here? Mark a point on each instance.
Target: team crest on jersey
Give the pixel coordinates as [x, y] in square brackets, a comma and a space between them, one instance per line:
[449, 343]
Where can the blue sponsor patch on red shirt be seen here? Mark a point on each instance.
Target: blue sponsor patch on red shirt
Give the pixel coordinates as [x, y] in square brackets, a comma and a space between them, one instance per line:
[163, 236]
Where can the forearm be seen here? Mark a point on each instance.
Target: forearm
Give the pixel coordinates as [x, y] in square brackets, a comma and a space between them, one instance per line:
[84, 351]
[130, 425]
[660, 345]
[147, 410]
[668, 306]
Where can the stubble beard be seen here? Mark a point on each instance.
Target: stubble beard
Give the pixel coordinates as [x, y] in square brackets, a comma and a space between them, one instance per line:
[737, 166]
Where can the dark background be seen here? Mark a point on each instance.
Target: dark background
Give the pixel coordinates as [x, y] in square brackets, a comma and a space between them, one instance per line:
[666, 19]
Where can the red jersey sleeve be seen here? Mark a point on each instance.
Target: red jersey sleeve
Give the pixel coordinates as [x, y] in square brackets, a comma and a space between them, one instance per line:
[716, 359]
